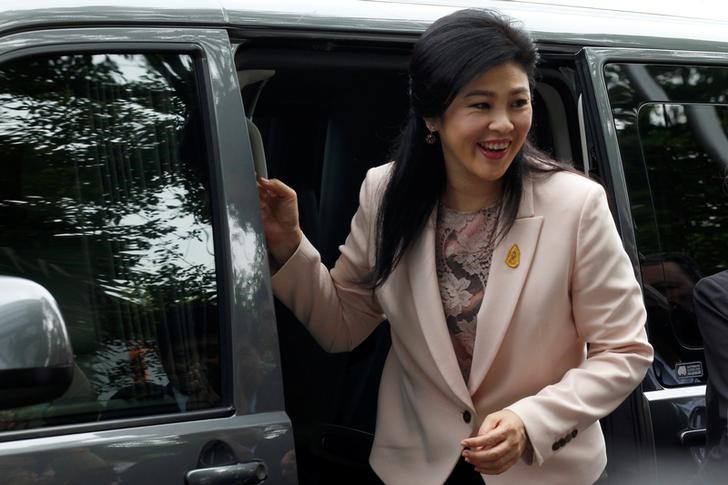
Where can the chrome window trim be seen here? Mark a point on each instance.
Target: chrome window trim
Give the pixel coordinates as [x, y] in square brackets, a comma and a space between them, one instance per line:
[675, 393]
[582, 135]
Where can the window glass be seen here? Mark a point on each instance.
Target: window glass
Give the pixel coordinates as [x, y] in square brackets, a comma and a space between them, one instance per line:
[672, 127]
[104, 200]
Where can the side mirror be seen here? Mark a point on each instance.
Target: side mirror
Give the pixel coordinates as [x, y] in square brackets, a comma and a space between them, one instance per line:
[36, 360]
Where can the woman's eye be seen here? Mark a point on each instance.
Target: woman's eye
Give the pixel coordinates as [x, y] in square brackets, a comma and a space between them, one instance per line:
[481, 106]
[519, 103]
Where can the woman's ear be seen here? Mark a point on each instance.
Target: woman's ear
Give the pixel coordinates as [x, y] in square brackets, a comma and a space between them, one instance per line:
[432, 124]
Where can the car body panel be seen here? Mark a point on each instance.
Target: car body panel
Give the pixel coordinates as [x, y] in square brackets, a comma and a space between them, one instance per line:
[582, 26]
[174, 442]
[677, 414]
[158, 454]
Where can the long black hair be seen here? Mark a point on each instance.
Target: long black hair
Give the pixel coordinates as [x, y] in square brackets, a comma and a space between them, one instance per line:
[453, 51]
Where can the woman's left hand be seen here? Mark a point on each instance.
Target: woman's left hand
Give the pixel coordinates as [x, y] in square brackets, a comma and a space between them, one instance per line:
[500, 442]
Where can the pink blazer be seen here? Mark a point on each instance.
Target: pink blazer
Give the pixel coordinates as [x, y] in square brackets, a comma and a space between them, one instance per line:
[560, 335]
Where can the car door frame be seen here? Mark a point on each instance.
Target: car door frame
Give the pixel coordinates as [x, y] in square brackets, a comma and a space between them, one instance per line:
[245, 301]
[650, 399]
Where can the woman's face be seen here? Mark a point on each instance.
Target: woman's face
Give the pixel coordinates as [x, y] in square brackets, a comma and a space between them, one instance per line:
[484, 127]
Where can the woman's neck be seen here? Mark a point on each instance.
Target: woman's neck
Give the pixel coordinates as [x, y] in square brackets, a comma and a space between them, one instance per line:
[471, 197]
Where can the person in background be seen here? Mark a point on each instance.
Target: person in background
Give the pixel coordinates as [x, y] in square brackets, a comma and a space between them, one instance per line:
[188, 340]
[668, 280]
[711, 308]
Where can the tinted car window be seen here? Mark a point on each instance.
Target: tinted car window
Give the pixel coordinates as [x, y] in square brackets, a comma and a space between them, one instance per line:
[104, 200]
[672, 127]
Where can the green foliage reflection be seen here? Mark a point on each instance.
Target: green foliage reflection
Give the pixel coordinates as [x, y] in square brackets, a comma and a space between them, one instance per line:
[104, 197]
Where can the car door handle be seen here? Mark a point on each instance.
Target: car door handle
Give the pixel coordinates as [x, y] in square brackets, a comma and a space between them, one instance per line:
[247, 473]
[693, 437]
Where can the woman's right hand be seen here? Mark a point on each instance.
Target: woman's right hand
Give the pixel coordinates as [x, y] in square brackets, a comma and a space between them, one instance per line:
[279, 209]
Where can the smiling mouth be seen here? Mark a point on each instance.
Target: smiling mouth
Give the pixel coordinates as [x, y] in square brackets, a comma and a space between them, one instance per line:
[495, 150]
[495, 147]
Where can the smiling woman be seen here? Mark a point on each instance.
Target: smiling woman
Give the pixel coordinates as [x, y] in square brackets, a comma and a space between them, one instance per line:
[481, 132]
[471, 242]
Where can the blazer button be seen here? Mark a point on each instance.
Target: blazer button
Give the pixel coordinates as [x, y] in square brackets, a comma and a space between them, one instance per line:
[466, 416]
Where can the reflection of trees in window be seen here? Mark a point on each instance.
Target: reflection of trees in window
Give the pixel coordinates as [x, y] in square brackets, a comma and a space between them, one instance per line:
[681, 83]
[624, 99]
[104, 197]
[690, 203]
[686, 143]
[672, 140]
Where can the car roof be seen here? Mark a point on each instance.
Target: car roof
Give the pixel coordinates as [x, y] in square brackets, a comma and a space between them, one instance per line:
[548, 23]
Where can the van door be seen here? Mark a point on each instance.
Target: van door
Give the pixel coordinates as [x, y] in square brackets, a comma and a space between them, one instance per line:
[660, 125]
[128, 192]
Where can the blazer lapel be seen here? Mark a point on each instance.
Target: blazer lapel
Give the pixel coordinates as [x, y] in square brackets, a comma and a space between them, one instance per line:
[422, 273]
[509, 267]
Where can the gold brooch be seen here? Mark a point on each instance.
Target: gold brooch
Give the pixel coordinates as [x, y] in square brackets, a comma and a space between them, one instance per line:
[514, 257]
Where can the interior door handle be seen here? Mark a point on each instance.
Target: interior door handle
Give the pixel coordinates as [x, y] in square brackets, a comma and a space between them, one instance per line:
[693, 437]
[248, 473]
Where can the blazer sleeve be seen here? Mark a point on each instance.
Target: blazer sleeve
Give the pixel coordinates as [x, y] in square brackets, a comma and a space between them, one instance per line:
[609, 316]
[338, 310]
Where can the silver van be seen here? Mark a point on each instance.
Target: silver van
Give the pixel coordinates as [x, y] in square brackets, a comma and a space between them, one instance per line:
[139, 341]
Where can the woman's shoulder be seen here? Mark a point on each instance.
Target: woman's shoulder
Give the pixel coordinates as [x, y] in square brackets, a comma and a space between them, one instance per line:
[376, 180]
[564, 184]
[379, 173]
[563, 191]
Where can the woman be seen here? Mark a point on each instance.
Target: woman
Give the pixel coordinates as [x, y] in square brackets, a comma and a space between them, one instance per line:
[515, 315]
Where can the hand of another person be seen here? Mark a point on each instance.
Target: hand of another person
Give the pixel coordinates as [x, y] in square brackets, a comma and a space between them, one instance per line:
[279, 209]
[500, 442]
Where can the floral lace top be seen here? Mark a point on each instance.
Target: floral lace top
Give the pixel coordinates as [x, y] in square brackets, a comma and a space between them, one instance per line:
[464, 248]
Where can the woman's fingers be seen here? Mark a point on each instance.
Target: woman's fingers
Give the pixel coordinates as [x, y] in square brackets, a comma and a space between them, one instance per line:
[265, 190]
[276, 188]
[279, 212]
[485, 454]
[493, 430]
[497, 467]
[498, 445]
[486, 440]
[493, 460]
[280, 198]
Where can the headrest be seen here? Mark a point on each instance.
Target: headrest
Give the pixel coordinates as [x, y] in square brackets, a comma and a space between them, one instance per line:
[252, 76]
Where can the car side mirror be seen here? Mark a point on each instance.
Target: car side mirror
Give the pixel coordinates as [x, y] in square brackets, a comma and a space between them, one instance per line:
[36, 359]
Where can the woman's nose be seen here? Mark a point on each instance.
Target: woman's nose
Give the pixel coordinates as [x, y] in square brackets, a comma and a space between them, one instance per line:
[501, 122]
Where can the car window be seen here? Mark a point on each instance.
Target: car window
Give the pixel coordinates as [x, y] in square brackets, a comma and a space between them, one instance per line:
[105, 201]
[672, 128]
